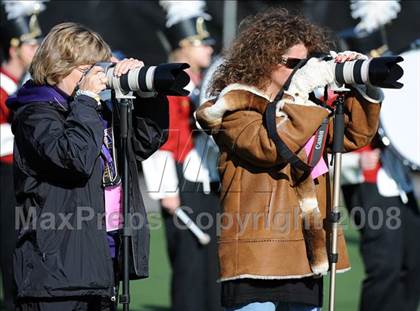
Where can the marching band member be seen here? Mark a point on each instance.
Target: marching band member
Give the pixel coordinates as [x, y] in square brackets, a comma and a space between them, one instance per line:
[20, 36]
[379, 193]
[183, 172]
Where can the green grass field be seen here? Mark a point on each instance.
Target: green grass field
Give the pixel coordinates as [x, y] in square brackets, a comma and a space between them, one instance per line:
[152, 294]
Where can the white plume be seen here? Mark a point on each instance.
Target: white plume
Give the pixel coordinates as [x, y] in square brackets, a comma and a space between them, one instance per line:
[373, 14]
[178, 10]
[16, 8]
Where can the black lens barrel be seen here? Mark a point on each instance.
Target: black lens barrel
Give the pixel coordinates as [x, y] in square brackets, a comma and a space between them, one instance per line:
[357, 71]
[142, 79]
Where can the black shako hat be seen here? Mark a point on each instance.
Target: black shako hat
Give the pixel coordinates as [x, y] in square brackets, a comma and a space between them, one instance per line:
[21, 23]
[186, 24]
[369, 36]
[373, 44]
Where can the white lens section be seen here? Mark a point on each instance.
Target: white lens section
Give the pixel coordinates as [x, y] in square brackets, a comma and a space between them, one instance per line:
[149, 78]
[133, 79]
[109, 75]
[113, 81]
[365, 71]
[348, 72]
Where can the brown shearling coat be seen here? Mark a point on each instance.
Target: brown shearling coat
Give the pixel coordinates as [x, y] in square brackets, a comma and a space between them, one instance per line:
[261, 226]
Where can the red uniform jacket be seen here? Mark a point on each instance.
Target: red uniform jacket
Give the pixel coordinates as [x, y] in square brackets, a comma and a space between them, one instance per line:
[180, 141]
[8, 85]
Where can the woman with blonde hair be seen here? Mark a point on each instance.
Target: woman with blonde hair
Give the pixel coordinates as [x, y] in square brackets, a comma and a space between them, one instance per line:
[67, 155]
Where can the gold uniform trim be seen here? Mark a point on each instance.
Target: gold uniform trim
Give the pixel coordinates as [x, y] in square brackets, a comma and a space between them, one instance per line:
[196, 40]
[34, 32]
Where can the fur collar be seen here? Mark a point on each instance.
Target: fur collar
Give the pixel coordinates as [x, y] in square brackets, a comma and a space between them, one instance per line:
[243, 87]
[214, 113]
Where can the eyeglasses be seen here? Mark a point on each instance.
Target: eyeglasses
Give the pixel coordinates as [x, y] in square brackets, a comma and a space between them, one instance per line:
[84, 71]
[290, 62]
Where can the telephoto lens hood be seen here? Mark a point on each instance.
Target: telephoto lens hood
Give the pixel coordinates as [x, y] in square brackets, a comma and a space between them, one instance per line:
[385, 72]
[168, 79]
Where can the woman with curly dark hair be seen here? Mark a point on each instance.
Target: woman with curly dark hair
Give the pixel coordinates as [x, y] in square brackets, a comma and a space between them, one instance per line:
[274, 237]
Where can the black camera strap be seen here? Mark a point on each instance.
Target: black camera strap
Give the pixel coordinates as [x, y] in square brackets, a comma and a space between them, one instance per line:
[282, 149]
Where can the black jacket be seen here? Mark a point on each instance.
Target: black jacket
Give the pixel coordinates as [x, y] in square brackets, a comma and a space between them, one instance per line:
[58, 174]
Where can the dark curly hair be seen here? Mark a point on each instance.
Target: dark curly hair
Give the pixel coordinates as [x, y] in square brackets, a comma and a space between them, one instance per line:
[263, 39]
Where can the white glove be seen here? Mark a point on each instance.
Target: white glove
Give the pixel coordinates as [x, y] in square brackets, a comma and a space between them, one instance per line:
[373, 14]
[314, 74]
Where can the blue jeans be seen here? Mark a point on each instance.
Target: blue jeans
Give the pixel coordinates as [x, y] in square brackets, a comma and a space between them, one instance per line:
[271, 306]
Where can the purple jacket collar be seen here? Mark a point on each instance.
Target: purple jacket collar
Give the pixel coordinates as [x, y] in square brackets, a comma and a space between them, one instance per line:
[30, 93]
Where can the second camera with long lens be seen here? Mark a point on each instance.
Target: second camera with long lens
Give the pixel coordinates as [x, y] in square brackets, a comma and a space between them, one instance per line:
[167, 79]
